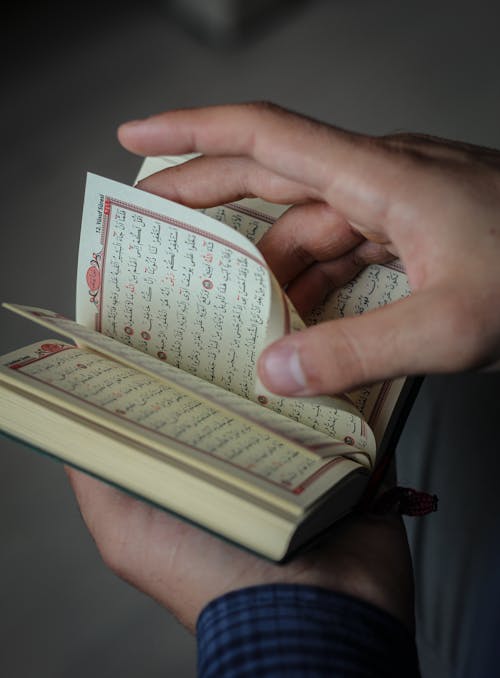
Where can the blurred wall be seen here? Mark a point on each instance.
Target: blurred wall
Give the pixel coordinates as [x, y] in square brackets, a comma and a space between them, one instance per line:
[69, 78]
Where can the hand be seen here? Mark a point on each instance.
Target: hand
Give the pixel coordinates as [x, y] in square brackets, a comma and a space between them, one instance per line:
[183, 568]
[357, 200]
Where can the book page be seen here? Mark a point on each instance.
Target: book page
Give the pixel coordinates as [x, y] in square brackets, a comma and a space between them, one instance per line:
[193, 292]
[163, 279]
[335, 440]
[375, 286]
[174, 422]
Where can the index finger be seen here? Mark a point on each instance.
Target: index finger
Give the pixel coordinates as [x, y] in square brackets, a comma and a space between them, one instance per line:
[359, 175]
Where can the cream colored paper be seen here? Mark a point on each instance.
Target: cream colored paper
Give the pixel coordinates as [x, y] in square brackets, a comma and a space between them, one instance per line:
[308, 440]
[192, 291]
[172, 421]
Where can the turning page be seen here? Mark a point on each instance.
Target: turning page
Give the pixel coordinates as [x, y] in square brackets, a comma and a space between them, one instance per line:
[193, 292]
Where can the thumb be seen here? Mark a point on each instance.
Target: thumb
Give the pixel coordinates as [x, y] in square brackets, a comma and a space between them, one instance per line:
[413, 336]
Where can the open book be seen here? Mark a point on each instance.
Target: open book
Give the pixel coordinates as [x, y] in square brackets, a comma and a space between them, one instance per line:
[157, 391]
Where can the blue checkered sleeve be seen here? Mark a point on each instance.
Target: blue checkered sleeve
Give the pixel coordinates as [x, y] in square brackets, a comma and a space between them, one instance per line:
[300, 631]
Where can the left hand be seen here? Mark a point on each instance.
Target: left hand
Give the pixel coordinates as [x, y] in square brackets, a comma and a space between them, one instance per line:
[184, 568]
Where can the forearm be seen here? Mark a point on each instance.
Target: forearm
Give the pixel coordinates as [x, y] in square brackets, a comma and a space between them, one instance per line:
[285, 629]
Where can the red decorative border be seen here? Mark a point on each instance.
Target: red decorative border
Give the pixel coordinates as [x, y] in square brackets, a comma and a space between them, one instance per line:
[317, 474]
[57, 348]
[250, 212]
[109, 202]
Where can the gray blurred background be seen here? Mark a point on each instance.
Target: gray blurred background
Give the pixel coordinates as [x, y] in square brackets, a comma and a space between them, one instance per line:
[69, 78]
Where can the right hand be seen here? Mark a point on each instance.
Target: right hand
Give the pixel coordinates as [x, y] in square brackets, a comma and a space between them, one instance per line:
[358, 199]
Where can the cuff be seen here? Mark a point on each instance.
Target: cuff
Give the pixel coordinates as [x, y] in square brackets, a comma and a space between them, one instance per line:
[293, 630]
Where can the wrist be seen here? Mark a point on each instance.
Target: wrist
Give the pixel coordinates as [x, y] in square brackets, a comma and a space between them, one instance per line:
[366, 557]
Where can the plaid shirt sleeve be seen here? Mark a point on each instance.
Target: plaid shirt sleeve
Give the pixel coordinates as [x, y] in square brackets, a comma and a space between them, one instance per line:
[297, 631]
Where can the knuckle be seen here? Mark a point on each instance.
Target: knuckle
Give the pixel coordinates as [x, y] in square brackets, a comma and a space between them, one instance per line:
[350, 361]
[398, 140]
[330, 276]
[372, 253]
[263, 106]
[301, 253]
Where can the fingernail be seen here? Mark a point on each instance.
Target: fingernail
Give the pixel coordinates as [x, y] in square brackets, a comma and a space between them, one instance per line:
[282, 371]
